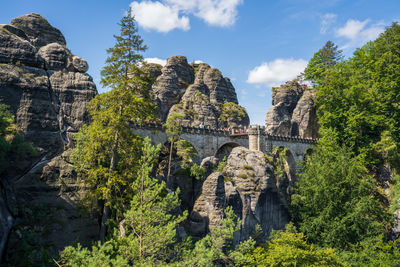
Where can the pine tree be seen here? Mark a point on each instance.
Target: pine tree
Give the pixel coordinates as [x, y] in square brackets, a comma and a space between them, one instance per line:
[149, 222]
[323, 60]
[173, 128]
[107, 150]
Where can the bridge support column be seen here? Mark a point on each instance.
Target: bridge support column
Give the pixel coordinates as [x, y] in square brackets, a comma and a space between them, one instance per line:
[257, 138]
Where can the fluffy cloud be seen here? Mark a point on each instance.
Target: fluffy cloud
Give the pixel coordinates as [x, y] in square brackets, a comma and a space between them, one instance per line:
[156, 60]
[198, 61]
[357, 32]
[159, 17]
[326, 21]
[276, 72]
[166, 15]
[218, 12]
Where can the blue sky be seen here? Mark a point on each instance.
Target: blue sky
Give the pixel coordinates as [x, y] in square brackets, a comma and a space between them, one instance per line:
[256, 43]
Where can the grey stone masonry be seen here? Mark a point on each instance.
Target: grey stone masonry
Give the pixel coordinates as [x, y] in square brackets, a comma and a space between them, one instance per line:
[208, 142]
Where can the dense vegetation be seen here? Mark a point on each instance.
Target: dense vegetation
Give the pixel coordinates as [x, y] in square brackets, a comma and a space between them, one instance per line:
[338, 205]
[340, 210]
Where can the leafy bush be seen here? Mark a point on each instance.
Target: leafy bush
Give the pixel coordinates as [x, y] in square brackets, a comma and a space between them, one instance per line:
[231, 111]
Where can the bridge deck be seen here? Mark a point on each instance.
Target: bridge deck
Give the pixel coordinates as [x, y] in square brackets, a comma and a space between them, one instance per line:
[225, 132]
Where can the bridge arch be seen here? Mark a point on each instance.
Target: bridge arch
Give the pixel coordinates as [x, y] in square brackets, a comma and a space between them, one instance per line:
[166, 144]
[285, 158]
[225, 149]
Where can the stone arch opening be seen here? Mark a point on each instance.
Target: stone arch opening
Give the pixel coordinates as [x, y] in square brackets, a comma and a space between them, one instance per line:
[285, 172]
[180, 175]
[225, 150]
[176, 155]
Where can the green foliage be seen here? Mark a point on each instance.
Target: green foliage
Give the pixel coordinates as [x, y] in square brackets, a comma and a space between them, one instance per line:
[12, 144]
[394, 193]
[322, 61]
[99, 255]
[173, 126]
[148, 231]
[121, 70]
[107, 151]
[243, 175]
[231, 111]
[150, 225]
[280, 160]
[374, 252]
[211, 249]
[359, 98]
[336, 201]
[289, 248]
[186, 152]
[248, 167]
[221, 165]
[197, 171]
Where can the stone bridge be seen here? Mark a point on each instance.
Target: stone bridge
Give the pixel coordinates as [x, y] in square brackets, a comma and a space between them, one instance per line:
[219, 143]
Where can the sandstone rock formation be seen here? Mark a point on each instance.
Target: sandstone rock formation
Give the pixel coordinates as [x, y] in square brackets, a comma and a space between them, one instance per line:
[248, 184]
[293, 112]
[46, 88]
[199, 92]
[169, 87]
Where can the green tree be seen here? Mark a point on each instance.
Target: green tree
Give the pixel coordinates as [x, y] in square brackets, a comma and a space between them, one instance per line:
[231, 112]
[173, 128]
[214, 248]
[289, 248]
[336, 202]
[374, 252]
[184, 150]
[322, 61]
[358, 98]
[150, 223]
[12, 144]
[100, 255]
[106, 149]
[147, 233]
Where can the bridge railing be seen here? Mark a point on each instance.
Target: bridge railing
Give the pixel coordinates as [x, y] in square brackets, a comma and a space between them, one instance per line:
[230, 132]
[296, 139]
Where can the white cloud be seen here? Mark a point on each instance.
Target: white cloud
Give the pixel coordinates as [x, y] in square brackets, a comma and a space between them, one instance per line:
[352, 29]
[276, 72]
[198, 61]
[159, 17]
[156, 60]
[218, 12]
[327, 20]
[166, 15]
[358, 33]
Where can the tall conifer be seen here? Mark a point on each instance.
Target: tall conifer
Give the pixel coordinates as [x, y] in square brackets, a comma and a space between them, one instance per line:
[107, 150]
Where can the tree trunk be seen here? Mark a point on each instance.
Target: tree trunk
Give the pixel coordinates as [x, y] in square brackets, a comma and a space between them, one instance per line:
[106, 208]
[103, 227]
[141, 216]
[169, 162]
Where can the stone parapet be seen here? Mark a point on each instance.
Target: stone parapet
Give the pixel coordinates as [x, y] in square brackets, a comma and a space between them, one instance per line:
[252, 133]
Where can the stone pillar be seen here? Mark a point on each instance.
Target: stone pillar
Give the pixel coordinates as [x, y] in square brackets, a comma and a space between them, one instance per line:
[256, 135]
[252, 133]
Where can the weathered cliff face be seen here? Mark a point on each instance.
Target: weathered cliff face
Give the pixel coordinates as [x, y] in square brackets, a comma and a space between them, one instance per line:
[197, 91]
[248, 184]
[47, 89]
[293, 112]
